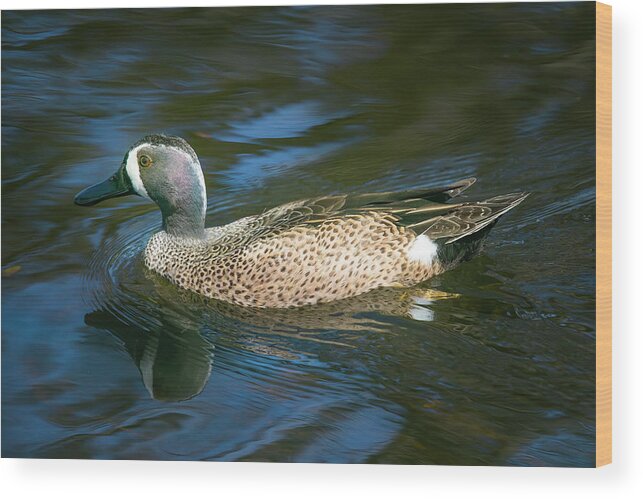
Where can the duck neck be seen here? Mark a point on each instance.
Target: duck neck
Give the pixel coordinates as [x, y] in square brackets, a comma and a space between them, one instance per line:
[185, 221]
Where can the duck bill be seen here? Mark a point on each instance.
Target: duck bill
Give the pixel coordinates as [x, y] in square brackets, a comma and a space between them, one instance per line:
[115, 186]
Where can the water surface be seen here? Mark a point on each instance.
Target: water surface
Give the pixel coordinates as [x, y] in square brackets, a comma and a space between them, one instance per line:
[101, 359]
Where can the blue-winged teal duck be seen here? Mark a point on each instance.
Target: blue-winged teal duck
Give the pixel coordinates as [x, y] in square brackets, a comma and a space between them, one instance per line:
[300, 253]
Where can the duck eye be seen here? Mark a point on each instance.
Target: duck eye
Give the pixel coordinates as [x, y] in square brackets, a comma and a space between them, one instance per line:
[145, 160]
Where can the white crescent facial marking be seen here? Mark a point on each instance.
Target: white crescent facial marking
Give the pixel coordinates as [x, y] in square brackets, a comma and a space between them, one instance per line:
[146, 365]
[199, 171]
[422, 250]
[133, 172]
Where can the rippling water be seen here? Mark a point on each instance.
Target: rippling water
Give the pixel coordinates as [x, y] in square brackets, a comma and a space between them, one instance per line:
[101, 359]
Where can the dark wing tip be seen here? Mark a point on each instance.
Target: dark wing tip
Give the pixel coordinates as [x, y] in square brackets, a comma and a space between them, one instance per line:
[489, 211]
[508, 200]
[457, 188]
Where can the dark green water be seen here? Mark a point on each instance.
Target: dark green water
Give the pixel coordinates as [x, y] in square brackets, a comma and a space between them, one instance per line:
[100, 359]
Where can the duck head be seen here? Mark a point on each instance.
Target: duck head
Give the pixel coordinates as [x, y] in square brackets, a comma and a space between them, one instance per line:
[166, 170]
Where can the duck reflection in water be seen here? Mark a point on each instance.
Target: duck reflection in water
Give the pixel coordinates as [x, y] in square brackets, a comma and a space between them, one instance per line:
[175, 358]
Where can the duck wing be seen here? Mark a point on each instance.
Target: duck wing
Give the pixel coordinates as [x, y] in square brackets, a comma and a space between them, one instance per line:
[421, 210]
[468, 218]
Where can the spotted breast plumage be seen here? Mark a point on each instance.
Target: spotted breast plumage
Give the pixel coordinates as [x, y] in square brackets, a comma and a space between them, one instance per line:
[300, 253]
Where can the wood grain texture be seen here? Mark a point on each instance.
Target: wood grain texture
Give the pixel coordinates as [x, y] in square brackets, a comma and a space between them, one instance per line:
[603, 234]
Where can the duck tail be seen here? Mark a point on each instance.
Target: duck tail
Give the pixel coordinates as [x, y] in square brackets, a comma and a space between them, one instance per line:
[474, 220]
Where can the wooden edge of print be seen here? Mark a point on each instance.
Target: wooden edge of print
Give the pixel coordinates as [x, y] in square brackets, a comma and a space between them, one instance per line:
[603, 234]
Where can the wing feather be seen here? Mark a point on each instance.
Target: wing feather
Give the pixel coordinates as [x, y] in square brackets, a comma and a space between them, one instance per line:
[421, 210]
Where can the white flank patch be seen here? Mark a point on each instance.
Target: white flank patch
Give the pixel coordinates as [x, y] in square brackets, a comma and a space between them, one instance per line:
[421, 314]
[423, 250]
[421, 300]
[133, 172]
